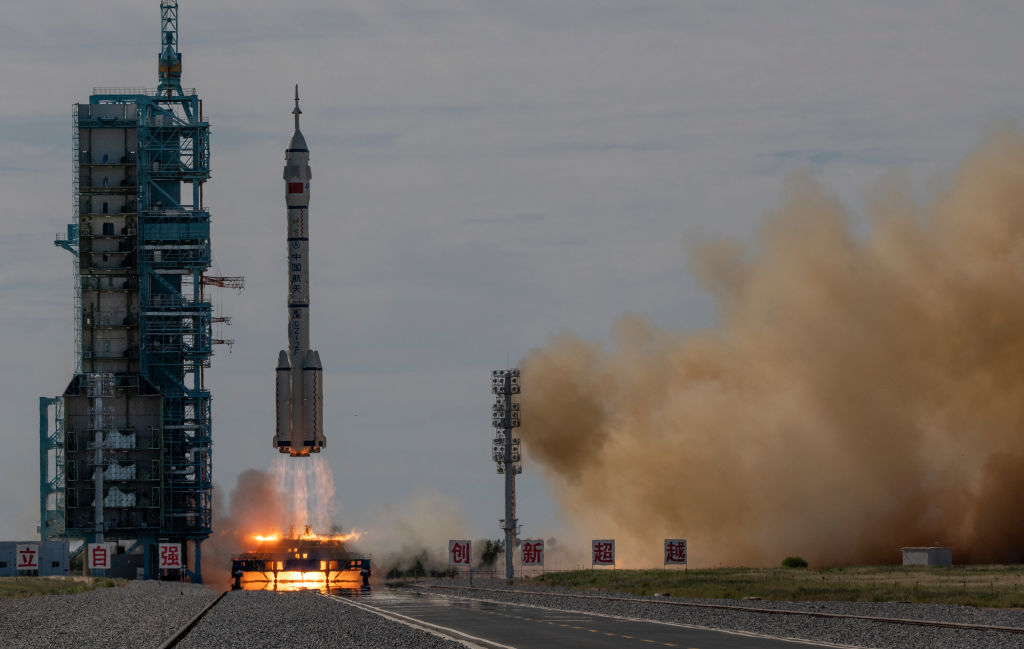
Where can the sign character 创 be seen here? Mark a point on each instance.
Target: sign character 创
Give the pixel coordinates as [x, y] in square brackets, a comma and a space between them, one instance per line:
[459, 553]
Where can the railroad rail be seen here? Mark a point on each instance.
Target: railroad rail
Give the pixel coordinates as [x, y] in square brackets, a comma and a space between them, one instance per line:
[183, 631]
[749, 609]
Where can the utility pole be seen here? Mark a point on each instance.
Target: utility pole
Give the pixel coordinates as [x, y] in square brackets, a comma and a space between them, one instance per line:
[506, 452]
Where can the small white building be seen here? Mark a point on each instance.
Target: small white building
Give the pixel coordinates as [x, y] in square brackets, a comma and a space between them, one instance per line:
[928, 556]
[49, 558]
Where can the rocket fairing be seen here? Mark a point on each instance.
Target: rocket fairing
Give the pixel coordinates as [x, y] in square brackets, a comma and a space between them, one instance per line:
[300, 389]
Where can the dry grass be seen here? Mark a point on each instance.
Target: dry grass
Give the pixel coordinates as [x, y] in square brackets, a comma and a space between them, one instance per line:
[991, 586]
[31, 586]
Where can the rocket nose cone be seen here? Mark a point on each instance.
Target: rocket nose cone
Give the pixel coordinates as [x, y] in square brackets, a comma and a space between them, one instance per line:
[316, 360]
[282, 361]
[297, 143]
[308, 362]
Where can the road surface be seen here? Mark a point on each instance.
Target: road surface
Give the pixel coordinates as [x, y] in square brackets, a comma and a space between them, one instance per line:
[503, 626]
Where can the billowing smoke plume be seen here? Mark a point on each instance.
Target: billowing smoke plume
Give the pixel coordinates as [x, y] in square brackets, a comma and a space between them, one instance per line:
[296, 493]
[861, 393]
[293, 494]
[256, 506]
[413, 535]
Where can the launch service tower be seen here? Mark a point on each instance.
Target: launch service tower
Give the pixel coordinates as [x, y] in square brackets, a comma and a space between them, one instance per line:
[129, 457]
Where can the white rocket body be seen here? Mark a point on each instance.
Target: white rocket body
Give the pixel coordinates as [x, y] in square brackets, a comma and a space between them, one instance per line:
[299, 392]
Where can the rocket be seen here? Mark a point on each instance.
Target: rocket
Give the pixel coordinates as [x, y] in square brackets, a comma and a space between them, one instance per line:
[300, 388]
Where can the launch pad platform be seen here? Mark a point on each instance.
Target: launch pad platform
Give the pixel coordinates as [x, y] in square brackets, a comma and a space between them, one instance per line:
[305, 560]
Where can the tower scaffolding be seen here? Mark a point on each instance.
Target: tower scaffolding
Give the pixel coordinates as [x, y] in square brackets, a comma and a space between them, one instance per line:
[142, 242]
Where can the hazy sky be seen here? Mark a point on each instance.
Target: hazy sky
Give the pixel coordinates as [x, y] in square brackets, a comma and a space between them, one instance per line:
[486, 174]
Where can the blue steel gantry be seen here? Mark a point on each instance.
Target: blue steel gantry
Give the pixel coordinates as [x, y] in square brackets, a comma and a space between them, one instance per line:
[141, 241]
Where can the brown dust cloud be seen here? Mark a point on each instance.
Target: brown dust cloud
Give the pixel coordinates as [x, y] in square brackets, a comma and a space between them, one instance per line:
[862, 392]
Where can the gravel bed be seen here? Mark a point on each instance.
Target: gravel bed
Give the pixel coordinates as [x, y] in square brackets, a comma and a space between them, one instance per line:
[302, 620]
[847, 632]
[138, 615]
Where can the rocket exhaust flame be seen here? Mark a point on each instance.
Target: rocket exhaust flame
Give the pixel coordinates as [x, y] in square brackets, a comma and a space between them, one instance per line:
[308, 493]
[307, 535]
[302, 558]
[300, 561]
[860, 393]
[265, 504]
[293, 581]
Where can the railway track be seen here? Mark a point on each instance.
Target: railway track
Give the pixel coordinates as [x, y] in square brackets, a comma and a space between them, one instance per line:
[749, 609]
[183, 631]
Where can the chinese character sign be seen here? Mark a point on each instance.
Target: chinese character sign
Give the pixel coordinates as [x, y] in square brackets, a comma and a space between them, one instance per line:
[458, 553]
[675, 552]
[170, 556]
[603, 552]
[27, 557]
[533, 552]
[99, 555]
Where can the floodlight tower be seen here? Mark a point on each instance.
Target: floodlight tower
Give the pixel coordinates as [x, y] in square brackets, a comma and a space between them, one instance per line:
[506, 452]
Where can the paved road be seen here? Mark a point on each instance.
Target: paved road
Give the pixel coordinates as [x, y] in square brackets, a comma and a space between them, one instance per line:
[502, 626]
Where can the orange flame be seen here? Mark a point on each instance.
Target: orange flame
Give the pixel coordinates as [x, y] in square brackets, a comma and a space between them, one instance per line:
[308, 535]
[295, 581]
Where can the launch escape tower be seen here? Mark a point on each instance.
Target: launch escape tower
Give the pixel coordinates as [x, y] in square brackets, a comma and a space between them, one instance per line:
[130, 454]
[506, 452]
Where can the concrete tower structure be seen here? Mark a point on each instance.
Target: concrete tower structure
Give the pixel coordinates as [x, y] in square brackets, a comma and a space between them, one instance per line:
[130, 458]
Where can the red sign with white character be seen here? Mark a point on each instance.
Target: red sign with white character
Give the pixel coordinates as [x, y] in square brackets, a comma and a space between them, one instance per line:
[603, 552]
[100, 555]
[675, 552]
[28, 557]
[533, 552]
[170, 556]
[459, 554]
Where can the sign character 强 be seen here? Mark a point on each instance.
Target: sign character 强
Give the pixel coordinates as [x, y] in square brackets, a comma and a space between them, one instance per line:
[170, 556]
